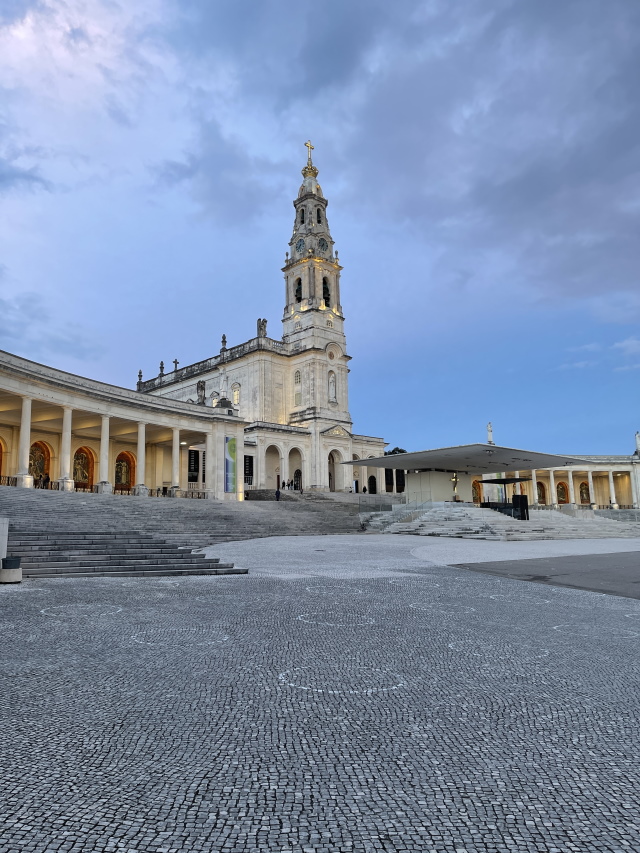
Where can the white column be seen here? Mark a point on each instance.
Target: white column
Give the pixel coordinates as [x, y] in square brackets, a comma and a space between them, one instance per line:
[612, 490]
[175, 460]
[592, 494]
[572, 493]
[209, 460]
[553, 497]
[66, 483]
[516, 486]
[240, 464]
[24, 477]
[534, 486]
[284, 467]
[104, 484]
[634, 486]
[140, 488]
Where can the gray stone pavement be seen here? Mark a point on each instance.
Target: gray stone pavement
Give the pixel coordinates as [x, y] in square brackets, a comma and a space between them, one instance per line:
[347, 695]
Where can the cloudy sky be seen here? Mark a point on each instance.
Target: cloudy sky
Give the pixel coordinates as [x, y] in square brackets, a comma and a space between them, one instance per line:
[481, 160]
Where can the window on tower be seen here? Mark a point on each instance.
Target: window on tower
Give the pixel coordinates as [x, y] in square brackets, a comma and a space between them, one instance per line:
[326, 293]
[302, 216]
[318, 216]
[297, 378]
[235, 394]
[298, 290]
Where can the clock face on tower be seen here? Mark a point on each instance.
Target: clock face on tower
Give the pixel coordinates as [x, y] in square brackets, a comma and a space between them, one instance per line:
[323, 245]
[300, 245]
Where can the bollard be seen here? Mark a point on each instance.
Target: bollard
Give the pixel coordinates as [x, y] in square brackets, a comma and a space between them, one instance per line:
[11, 571]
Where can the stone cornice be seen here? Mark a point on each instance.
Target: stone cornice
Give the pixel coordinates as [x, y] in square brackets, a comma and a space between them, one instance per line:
[269, 427]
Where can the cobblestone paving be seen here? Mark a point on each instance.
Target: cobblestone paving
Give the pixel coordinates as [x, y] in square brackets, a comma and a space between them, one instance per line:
[428, 710]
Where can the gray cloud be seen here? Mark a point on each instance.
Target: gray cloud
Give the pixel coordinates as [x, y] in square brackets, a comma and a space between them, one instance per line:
[13, 176]
[15, 10]
[25, 326]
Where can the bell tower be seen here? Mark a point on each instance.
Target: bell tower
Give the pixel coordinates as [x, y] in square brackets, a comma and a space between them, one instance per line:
[313, 313]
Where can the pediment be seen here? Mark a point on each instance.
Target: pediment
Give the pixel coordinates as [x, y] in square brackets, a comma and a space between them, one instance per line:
[336, 430]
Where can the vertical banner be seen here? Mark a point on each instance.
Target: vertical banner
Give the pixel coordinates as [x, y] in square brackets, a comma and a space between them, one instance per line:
[230, 463]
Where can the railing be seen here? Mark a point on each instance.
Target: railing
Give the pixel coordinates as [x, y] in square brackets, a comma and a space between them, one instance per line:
[117, 490]
[209, 363]
[8, 481]
[84, 487]
[192, 493]
[248, 479]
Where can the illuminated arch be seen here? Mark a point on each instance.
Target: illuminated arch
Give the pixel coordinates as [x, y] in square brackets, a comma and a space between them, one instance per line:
[125, 473]
[84, 467]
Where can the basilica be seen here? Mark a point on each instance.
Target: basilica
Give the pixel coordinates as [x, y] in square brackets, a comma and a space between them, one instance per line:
[267, 413]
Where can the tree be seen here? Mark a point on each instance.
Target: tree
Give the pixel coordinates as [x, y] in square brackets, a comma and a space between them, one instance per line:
[394, 451]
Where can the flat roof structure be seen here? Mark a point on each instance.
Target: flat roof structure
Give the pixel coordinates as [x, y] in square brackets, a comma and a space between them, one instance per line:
[471, 459]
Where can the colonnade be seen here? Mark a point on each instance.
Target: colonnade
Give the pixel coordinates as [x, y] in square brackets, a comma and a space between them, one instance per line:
[65, 480]
[612, 494]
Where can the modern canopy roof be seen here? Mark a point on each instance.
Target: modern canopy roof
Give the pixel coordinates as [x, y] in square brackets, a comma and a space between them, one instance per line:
[471, 459]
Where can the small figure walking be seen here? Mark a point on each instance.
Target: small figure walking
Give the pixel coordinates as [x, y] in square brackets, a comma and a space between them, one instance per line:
[46, 481]
[277, 494]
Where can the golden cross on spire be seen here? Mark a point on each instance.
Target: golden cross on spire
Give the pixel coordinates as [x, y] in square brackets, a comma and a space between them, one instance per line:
[309, 147]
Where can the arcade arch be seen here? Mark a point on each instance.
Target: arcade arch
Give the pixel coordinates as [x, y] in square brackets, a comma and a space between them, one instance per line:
[39, 460]
[272, 458]
[296, 467]
[125, 473]
[84, 467]
[335, 471]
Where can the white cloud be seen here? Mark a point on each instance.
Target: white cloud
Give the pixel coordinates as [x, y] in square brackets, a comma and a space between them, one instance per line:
[585, 348]
[575, 365]
[628, 367]
[630, 346]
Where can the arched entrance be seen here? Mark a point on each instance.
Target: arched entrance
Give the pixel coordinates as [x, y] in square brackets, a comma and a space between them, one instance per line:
[372, 485]
[83, 468]
[542, 493]
[272, 467]
[125, 476]
[585, 497]
[295, 468]
[562, 490]
[39, 461]
[335, 471]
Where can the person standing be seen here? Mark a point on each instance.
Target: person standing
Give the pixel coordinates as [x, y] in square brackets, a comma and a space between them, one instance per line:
[277, 494]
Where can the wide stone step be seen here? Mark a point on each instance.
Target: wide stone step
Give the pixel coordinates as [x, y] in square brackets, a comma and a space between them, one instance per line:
[125, 571]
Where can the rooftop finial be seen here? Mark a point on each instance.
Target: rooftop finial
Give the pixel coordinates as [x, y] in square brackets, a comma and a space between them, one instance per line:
[309, 170]
[309, 148]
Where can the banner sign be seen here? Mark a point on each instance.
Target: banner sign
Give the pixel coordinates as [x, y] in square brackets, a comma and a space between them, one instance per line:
[230, 463]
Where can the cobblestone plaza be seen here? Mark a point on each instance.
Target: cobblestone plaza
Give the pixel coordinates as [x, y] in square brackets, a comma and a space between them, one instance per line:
[347, 695]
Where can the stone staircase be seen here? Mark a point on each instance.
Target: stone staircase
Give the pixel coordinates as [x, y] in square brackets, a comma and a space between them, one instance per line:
[62, 533]
[465, 521]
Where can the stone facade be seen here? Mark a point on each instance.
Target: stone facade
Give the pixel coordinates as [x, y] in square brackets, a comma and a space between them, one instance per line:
[293, 392]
